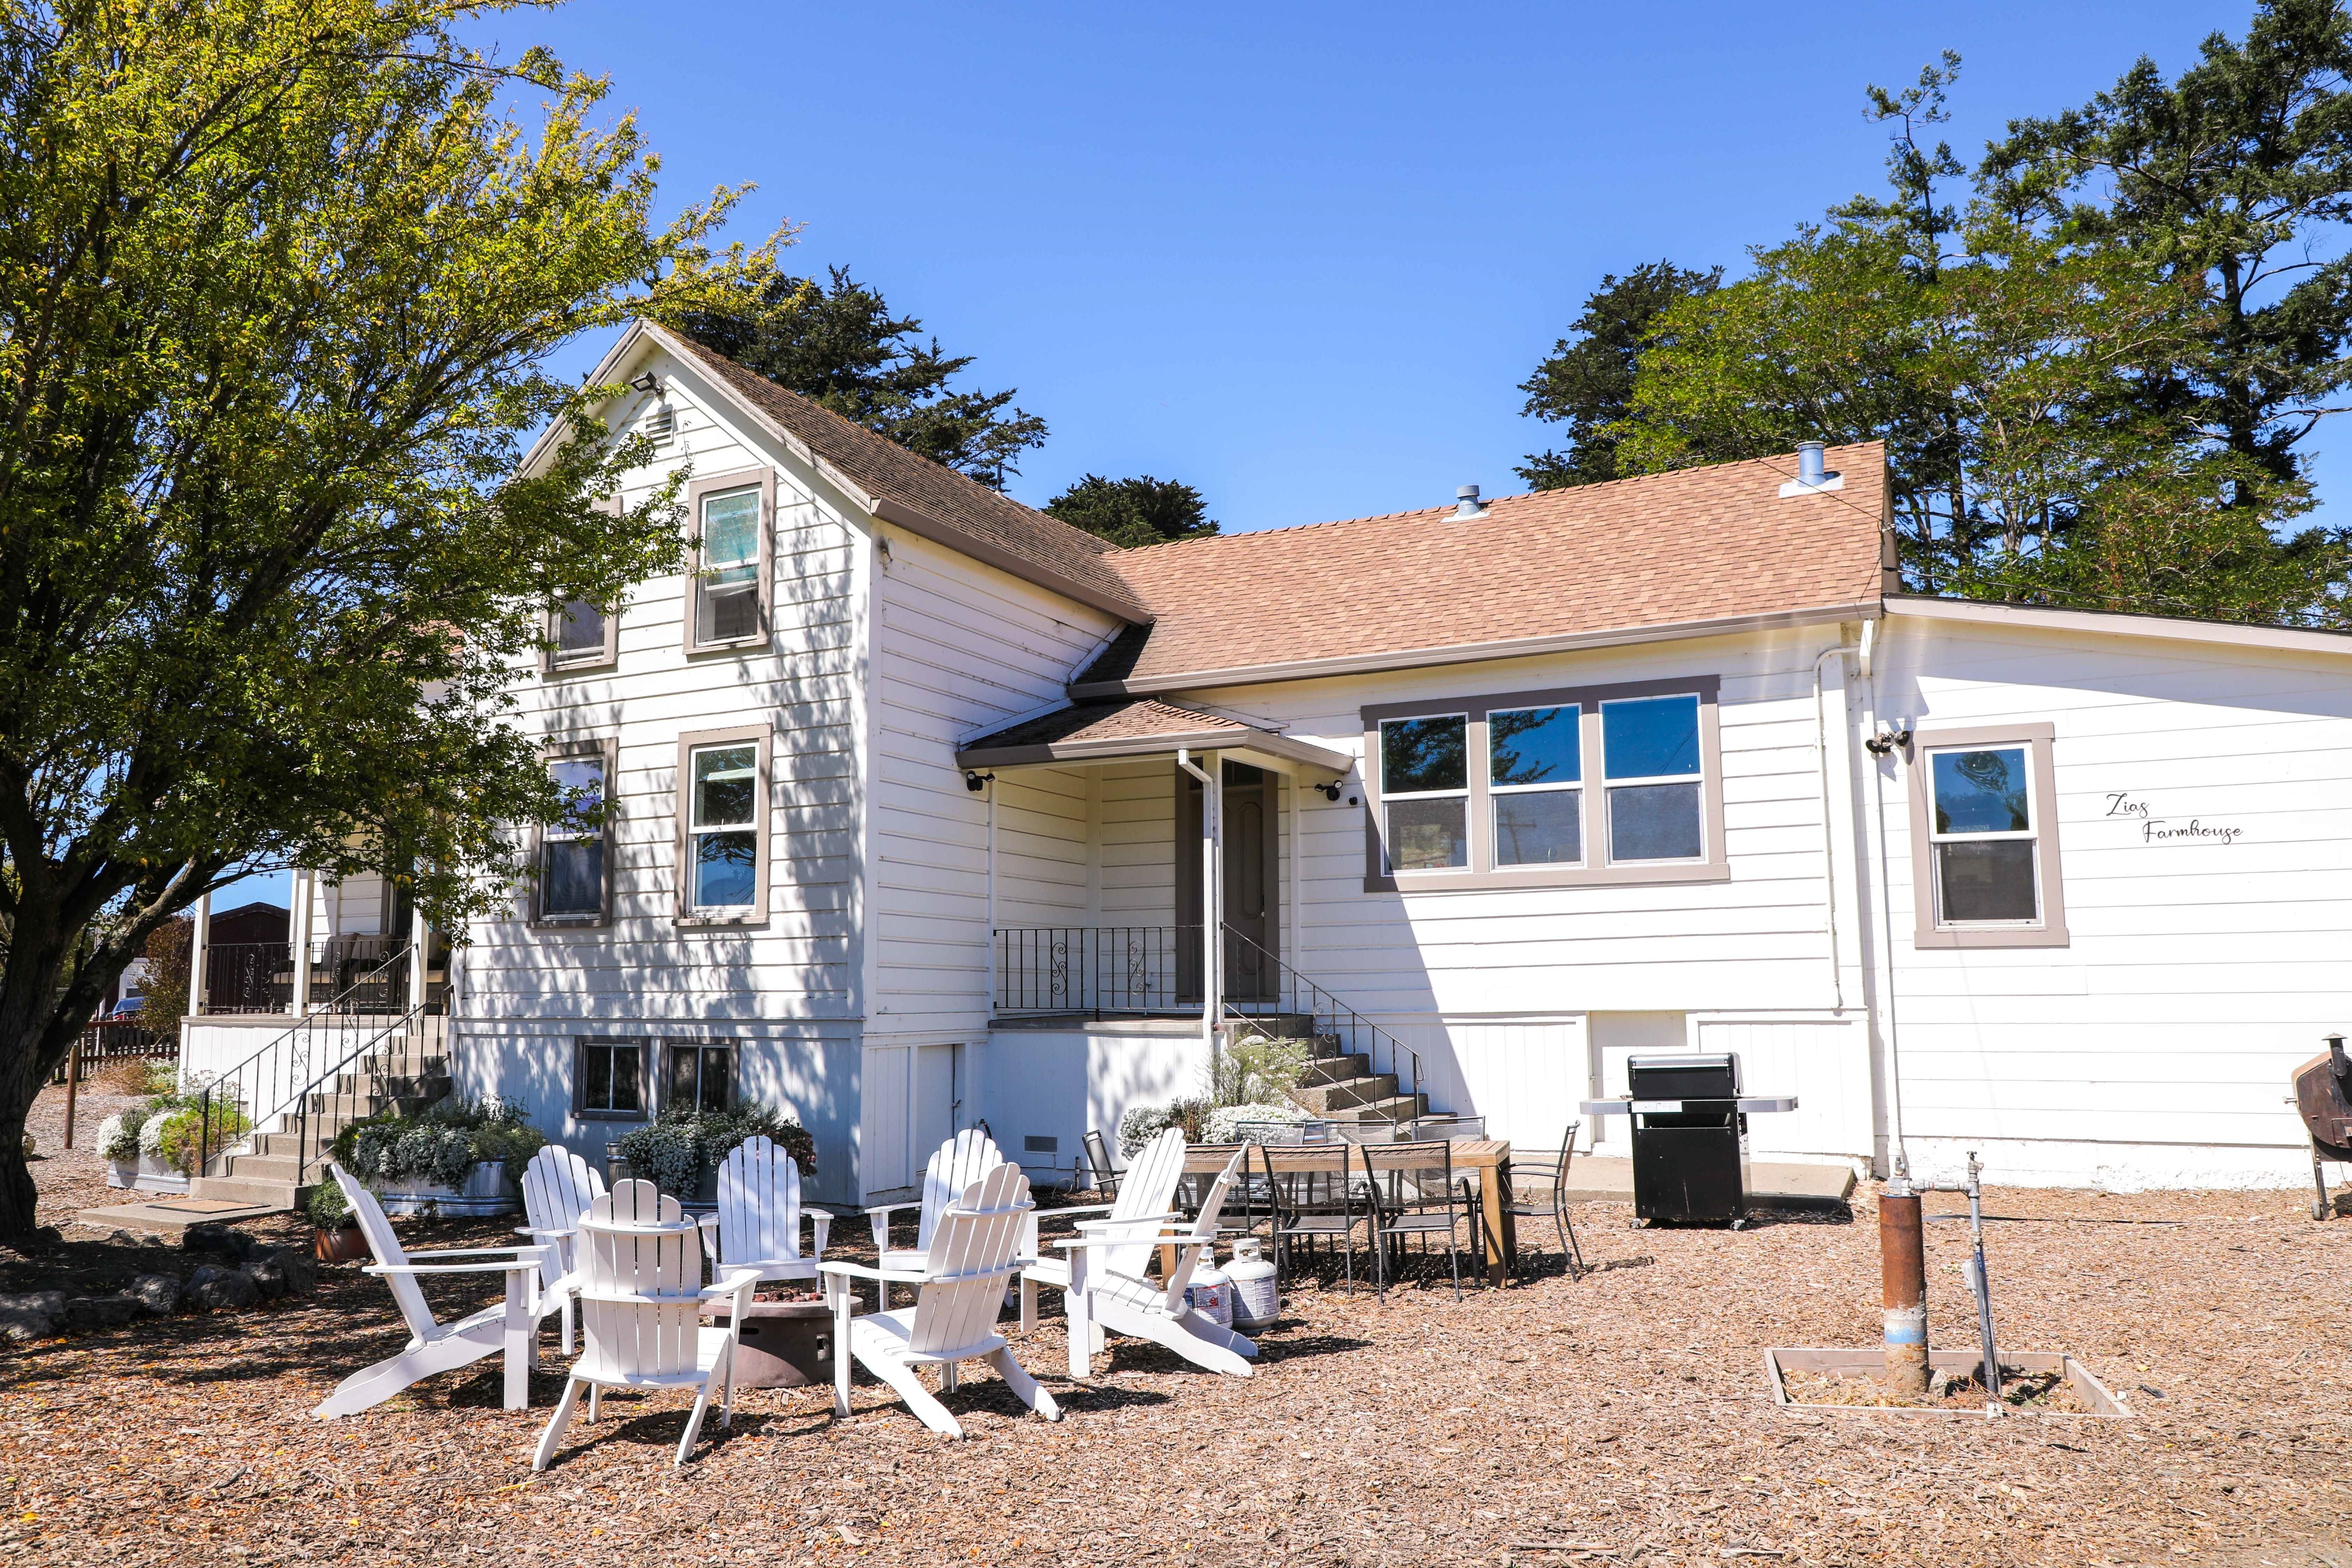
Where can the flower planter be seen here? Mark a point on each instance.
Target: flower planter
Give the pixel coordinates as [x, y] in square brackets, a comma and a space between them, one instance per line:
[345, 1244]
[150, 1175]
[486, 1192]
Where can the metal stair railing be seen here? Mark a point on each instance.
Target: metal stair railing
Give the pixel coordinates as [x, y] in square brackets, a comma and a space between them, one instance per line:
[240, 1102]
[1295, 995]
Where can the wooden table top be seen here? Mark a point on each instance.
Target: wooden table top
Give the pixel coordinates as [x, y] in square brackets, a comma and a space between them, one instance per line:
[1477, 1153]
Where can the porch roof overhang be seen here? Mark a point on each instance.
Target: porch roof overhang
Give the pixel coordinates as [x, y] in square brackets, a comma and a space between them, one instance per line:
[1141, 727]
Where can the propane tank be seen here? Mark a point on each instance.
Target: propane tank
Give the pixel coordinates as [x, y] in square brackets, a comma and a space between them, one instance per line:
[1257, 1301]
[1211, 1293]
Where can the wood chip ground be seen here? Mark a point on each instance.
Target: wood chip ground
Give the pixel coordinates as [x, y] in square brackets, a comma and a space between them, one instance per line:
[1619, 1419]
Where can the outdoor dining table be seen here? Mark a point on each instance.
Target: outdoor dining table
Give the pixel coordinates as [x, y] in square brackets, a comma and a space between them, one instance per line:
[1489, 1157]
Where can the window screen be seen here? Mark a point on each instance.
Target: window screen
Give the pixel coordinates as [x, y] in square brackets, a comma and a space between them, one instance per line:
[729, 585]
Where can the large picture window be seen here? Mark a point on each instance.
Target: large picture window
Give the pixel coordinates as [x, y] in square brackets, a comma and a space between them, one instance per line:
[723, 825]
[573, 856]
[1985, 853]
[728, 594]
[1601, 785]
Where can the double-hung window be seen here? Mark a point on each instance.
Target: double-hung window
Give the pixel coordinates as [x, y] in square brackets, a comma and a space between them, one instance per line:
[1985, 857]
[574, 855]
[1535, 776]
[1599, 784]
[1425, 791]
[723, 825]
[582, 636]
[727, 598]
[1656, 793]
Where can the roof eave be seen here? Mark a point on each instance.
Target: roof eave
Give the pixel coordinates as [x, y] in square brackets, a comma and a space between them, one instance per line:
[1473, 653]
[924, 526]
[2123, 623]
[1130, 747]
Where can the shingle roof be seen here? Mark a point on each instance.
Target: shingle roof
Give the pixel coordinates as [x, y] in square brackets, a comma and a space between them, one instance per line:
[1680, 549]
[1140, 727]
[930, 498]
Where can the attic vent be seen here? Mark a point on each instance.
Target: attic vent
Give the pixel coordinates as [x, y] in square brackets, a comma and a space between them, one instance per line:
[1811, 476]
[662, 424]
[1466, 503]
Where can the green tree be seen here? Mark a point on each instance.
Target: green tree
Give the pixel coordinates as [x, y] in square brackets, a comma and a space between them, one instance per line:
[840, 346]
[1586, 382]
[1134, 512]
[278, 283]
[2237, 179]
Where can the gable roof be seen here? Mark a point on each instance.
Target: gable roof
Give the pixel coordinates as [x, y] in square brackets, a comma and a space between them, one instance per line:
[1097, 731]
[926, 499]
[1679, 553]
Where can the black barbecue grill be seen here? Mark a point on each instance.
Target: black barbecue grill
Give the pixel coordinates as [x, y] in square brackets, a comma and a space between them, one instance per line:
[1690, 1136]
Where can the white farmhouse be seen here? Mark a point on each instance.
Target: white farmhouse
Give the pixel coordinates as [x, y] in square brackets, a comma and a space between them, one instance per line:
[921, 802]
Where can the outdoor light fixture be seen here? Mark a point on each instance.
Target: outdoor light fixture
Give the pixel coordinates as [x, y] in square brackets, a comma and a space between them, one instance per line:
[1886, 741]
[1330, 791]
[648, 381]
[975, 782]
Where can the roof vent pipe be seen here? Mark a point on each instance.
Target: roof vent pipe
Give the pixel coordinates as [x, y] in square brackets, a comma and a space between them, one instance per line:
[1809, 462]
[1465, 501]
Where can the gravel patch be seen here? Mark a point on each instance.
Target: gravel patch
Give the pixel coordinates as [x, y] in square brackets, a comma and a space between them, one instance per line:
[1618, 1418]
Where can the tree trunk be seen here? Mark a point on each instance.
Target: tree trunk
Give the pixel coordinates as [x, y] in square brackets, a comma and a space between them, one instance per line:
[44, 1002]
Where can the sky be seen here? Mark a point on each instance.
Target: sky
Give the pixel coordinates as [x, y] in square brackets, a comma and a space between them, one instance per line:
[1298, 255]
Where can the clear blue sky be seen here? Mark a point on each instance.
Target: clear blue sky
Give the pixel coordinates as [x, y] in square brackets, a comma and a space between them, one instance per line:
[1297, 255]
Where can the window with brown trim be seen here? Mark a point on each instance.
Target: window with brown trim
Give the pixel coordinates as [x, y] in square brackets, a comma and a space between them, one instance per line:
[1984, 838]
[1590, 785]
[722, 826]
[696, 1075]
[572, 859]
[582, 636]
[611, 1078]
[729, 589]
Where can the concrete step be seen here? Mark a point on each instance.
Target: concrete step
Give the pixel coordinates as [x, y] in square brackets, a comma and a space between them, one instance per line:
[1399, 1108]
[1334, 1069]
[1331, 1099]
[1284, 1026]
[257, 1192]
[264, 1167]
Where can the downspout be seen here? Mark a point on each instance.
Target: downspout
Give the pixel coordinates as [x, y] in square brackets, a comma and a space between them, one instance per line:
[1898, 1158]
[1212, 902]
[991, 980]
[1829, 834]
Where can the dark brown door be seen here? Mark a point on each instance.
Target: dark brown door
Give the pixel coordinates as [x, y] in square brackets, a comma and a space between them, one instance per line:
[1253, 884]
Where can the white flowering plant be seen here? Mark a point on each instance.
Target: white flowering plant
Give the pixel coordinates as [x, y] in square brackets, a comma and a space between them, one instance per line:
[118, 1139]
[1223, 1124]
[442, 1143]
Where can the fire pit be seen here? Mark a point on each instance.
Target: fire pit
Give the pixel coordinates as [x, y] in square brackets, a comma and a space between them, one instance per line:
[785, 1345]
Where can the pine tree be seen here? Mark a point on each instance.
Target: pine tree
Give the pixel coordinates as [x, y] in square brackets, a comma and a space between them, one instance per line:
[1134, 512]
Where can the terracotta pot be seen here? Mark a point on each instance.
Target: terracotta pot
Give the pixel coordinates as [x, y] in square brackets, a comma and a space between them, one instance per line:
[345, 1244]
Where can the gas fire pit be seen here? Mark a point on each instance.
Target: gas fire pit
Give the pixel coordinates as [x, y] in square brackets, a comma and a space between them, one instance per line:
[785, 1345]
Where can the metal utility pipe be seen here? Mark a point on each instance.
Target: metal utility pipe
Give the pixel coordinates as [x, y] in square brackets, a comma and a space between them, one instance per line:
[1828, 833]
[1903, 1280]
[1983, 1290]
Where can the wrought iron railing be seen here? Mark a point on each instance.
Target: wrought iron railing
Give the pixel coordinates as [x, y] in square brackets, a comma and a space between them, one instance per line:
[248, 976]
[1096, 970]
[278, 1077]
[353, 971]
[1287, 998]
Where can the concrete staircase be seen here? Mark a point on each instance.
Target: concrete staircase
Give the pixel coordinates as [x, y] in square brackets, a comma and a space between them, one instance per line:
[409, 1072]
[1340, 1085]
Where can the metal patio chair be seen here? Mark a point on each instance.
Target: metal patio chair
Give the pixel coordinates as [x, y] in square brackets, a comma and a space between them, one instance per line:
[1556, 1211]
[1312, 1203]
[1417, 1194]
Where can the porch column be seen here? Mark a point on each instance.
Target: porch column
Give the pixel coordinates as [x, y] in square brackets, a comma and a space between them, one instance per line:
[298, 939]
[420, 935]
[1212, 892]
[200, 942]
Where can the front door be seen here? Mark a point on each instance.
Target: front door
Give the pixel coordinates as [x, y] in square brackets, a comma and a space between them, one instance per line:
[1253, 884]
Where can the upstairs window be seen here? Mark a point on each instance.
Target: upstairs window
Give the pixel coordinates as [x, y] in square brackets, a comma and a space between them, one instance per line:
[723, 825]
[582, 635]
[573, 856]
[1535, 773]
[1985, 855]
[728, 595]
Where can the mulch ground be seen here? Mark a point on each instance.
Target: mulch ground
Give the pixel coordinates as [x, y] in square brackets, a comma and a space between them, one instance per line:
[1618, 1418]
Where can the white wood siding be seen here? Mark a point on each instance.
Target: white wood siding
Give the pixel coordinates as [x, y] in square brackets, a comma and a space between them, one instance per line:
[2155, 1048]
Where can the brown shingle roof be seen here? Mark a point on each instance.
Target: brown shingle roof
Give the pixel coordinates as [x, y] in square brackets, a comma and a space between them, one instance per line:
[1134, 728]
[930, 499]
[1680, 549]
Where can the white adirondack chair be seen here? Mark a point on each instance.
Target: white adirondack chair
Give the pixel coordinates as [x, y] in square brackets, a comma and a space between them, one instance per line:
[954, 1166]
[641, 1301]
[557, 1185]
[512, 1326]
[975, 1247]
[1109, 1290]
[760, 1214]
[1146, 1190]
